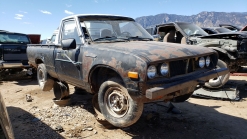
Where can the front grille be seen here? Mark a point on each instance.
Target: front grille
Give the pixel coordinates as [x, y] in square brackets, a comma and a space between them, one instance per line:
[180, 67]
[15, 57]
[177, 67]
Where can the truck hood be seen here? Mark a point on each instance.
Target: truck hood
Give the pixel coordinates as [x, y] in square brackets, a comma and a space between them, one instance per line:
[156, 51]
[224, 35]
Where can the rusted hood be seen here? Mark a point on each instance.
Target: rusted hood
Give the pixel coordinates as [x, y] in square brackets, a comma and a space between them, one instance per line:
[156, 51]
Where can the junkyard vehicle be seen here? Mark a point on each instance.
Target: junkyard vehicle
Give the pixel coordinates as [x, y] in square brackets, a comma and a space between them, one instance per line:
[53, 38]
[113, 57]
[13, 50]
[216, 30]
[244, 29]
[232, 46]
[231, 27]
[5, 124]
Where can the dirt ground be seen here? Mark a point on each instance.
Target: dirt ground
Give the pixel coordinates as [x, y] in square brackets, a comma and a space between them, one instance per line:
[200, 117]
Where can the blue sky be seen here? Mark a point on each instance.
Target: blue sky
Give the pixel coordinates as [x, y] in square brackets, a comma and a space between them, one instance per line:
[43, 16]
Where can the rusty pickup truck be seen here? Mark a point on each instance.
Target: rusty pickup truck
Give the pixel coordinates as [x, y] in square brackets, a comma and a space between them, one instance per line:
[115, 59]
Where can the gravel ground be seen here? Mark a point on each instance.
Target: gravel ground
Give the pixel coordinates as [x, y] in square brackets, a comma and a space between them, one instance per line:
[41, 118]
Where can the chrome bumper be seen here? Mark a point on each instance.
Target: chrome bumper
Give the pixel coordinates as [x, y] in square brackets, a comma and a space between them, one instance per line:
[6, 65]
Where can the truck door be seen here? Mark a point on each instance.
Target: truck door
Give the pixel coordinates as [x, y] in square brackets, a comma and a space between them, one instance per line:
[68, 62]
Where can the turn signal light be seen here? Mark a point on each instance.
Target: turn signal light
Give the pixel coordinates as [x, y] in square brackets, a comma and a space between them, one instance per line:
[133, 75]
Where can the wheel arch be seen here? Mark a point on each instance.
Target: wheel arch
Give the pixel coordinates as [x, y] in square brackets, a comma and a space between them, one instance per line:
[98, 71]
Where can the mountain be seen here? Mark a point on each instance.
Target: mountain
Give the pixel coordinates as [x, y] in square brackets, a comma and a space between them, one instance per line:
[203, 19]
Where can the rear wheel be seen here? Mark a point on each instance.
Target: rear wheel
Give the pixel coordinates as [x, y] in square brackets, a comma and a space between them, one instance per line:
[117, 106]
[2, 70]
[45, 82]
[1, 73]
[220, 80]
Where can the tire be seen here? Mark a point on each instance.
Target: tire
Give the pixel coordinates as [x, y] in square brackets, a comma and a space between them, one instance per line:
[221, 80]
[1, 73]
[2, 70]
[98, 115]
[44, 81]
[182, 98]
[60, 90]
[127, 109]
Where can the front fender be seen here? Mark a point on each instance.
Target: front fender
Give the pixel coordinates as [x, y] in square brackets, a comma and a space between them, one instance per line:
[222, 51]
[121, 62]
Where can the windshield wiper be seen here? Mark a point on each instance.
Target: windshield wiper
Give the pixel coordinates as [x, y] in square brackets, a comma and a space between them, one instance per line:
[140, 38]
[113, 38]
[193, 35]
[105, 38]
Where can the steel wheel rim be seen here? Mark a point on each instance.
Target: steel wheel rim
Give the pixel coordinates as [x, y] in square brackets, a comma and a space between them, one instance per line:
[116, 102]
[41, 77]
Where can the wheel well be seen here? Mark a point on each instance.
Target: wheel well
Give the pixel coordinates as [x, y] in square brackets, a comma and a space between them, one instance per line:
[224, 57]
[38, 61]
[100, 75]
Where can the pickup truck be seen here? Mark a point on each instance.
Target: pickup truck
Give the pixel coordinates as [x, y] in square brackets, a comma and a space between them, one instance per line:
[115, 59]
[13, 47]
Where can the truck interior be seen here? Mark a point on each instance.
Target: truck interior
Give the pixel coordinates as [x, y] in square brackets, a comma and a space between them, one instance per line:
[170, 34]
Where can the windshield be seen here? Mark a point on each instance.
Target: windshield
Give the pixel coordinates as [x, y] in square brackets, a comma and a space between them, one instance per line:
[223, 30]
[192, 29]
[13, 38]
[115, 30]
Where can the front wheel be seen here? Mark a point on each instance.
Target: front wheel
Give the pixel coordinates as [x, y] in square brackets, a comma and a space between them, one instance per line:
[220, 80]
[117, 106]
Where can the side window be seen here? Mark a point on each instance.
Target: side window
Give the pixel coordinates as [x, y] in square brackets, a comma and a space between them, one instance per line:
[53, 38]
[70, 31]
[210, 32]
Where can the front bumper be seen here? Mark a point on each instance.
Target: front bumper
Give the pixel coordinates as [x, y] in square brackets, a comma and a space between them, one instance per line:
[193, 80]
[13, 64]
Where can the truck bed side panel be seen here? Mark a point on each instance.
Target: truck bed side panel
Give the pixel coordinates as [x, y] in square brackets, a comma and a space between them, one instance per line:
[44, 53]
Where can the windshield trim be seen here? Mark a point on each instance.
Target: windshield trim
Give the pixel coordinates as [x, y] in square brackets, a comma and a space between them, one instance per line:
[115, 29]
[187, 35]
[8, 40]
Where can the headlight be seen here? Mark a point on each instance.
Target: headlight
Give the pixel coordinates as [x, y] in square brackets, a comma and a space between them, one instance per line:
[151, 72]
[202, 62]
[164, 69]
[208, 61]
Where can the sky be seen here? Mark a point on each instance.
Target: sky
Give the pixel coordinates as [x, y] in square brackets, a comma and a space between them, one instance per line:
[44, 16]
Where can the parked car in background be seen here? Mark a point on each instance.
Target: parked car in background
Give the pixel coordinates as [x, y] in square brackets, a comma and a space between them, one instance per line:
[34, 38]
[13, 47]
[231, 47]
[231, 27]
[216, 30]
[53, 38]
[6, 131]
[44, 41]
[115, 59]
[244, 29]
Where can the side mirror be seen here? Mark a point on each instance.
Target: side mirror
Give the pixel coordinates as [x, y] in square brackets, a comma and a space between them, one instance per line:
[68, 44]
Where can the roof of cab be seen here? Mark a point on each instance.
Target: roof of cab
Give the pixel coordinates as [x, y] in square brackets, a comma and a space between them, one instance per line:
[98, 15]
[4, 31]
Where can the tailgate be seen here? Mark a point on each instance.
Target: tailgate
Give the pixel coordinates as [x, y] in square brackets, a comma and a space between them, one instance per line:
[14, 52]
